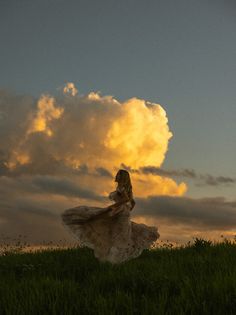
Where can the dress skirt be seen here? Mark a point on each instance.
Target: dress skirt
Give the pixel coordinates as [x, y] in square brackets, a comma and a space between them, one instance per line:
[113, 238]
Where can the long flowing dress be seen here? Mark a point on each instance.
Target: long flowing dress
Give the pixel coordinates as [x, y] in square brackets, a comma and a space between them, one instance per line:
[113, 238]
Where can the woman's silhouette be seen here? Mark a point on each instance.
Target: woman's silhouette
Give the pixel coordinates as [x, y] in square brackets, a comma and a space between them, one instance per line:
[109, 231]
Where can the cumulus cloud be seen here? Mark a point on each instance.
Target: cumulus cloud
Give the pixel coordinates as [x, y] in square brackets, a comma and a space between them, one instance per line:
[61, 134]
[64, 151]
[70, 89]
[58, 152]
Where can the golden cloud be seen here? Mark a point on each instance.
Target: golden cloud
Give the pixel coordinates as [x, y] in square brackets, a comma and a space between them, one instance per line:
[47, 111]
[101, 132]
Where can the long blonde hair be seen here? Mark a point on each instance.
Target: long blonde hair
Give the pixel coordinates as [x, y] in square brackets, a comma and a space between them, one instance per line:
[124, 180]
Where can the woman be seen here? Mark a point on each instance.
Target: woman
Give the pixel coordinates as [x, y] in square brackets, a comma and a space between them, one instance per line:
[109, 231]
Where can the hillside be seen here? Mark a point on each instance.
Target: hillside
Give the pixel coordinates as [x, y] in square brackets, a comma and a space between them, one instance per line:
[194, 279]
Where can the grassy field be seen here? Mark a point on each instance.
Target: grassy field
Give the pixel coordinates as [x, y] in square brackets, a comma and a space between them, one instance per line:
[194, 279]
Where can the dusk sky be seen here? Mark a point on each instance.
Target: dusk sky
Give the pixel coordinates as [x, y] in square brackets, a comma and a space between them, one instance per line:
[87, 87]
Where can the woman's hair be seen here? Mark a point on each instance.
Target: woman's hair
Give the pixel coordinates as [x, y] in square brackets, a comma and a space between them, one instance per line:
[124, 180]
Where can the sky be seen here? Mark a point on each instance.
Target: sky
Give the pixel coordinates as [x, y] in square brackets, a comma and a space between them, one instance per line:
[149, 84]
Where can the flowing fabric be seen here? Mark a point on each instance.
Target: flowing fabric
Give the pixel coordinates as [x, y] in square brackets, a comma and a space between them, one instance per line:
[113, 238]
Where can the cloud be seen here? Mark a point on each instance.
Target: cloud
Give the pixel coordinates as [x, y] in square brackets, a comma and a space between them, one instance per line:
[32, 221]
[161, 172]
[207, 213]
[201, 179]
[103, 172]
[65, 187]
[216, 180]
[61, 135]
[59, 152]
[46, 112]
[64, 151]
[70, 89]
[31, 206]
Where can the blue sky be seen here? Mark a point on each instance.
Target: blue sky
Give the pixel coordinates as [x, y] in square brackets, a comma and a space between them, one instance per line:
[180, 54]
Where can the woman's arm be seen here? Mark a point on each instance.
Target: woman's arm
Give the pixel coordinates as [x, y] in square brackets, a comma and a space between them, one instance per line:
[132, 204]
[124, 199]
[118, 203]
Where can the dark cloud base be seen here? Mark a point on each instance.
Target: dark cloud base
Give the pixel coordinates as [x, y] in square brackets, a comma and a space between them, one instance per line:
[200, 179]
[35, 206]
[210, 213]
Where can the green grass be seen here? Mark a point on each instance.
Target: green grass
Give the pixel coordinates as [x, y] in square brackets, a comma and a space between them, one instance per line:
[196, 279]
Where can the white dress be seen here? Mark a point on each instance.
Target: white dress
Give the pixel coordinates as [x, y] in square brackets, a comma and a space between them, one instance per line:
[113, 238]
